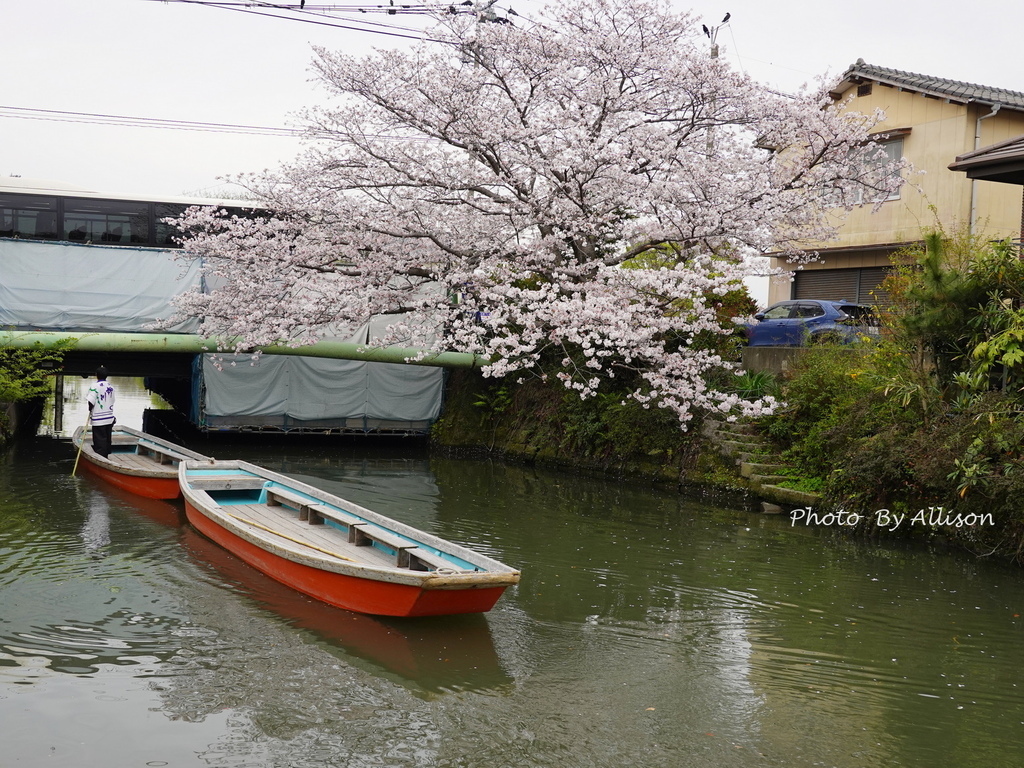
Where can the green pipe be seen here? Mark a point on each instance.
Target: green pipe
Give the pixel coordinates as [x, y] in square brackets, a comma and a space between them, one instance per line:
[189, 343]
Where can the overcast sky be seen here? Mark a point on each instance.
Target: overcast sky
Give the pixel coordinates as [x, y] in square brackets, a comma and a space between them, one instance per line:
[182, 62]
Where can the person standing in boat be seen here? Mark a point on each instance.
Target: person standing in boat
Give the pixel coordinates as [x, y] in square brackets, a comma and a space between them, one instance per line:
[101, 412]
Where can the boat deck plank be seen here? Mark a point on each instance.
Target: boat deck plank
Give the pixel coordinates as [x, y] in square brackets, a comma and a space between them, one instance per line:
[323, 536]
[134, 461]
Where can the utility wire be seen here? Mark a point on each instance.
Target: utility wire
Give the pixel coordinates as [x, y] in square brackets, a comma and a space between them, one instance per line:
[248, 8]
[465, 7]
[128, 121]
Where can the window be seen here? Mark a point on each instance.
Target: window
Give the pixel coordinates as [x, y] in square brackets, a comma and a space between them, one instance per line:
[165, 233]
[778, 312]
[95, 221]
[106, 221]
[859, 315]
[806, 309]
[891, 151]
[33, 217]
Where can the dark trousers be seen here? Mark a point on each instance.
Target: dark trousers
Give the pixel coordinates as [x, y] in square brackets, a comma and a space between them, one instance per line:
[101, 439]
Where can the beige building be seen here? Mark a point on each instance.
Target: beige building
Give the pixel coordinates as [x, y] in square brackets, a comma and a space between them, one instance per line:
[930, 121]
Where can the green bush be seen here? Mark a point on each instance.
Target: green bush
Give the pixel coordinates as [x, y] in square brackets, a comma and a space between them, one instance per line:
[827, 403]
[25, 373]
[931, 417]
[754, 385]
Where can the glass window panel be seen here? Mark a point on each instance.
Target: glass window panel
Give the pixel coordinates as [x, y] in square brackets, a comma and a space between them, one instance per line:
[892, 151]
[165, 233]
[32, 217]
[114, 222]
[808, 310]
[780, 312]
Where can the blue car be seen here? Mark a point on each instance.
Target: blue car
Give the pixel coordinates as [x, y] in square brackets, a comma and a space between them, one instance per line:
[802, 321]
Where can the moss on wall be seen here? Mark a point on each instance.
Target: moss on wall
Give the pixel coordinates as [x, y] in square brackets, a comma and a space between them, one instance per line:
[7, 424]
[540, 422]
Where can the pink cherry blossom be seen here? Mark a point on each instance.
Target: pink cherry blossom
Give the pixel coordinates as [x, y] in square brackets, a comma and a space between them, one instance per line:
[491, 188]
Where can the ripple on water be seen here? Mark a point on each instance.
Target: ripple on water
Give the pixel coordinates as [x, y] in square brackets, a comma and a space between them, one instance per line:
[118, 640]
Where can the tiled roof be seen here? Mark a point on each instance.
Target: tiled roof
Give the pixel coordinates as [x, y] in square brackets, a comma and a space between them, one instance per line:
[941, 87]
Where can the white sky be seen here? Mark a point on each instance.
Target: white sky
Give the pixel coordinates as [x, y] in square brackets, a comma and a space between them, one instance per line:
[177, 61]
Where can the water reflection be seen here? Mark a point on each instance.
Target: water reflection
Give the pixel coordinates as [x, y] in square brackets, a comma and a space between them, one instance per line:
[648, 629]
[433, 655]
[96, 529]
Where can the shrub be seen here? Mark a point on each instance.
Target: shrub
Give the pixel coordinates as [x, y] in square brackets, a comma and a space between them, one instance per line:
[933, 415]
[25, 372]
[827, 399]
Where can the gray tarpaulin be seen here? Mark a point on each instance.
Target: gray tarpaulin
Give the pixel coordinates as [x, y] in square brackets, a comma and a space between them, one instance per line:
[313, 392]
[59, 286]
[74, 287]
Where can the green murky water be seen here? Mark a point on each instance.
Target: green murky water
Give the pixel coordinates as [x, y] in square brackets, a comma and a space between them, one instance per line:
[648, 630]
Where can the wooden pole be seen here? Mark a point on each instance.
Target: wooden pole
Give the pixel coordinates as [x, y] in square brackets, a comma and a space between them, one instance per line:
[88, 420]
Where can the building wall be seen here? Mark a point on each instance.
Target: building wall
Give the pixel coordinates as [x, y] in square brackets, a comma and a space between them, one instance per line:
[940, 131]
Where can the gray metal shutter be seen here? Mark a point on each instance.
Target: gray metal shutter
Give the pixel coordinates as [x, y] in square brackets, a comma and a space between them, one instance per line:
[860, 285]
[828, 284]
[870, 291]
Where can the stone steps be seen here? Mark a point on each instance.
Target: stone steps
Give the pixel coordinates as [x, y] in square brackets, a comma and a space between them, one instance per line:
[755, 468]
[759, 466]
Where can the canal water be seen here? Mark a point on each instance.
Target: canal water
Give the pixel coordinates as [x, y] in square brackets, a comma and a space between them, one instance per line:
[648, 630]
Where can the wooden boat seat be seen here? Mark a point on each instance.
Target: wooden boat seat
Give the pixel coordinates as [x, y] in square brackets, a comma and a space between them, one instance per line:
[159, 454]
[365, 534]
[310, 510]
[283, 497]
[277, 496]
[324, 512]
[361, 533]
[315, 512]
[420, 559]
[131, 461]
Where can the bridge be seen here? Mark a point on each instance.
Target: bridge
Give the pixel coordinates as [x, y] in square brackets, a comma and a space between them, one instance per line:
[103, 300]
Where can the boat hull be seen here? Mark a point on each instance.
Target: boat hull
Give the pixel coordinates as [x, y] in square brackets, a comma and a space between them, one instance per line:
[149, 487]
[353, 593]
[139, 462]
[455, 652]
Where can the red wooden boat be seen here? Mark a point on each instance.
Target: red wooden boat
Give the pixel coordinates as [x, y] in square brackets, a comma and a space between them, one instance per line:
[140, 463]
[334, 550]
[437, 654]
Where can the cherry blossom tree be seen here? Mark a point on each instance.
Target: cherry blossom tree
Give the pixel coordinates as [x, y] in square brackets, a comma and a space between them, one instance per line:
[566, 197]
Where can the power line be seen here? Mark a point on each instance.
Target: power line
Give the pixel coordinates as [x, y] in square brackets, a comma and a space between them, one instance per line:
[301, 12]
[128, 121]
[465, 7]
[300, 15]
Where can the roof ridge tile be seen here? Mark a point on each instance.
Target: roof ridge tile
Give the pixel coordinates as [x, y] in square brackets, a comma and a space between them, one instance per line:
[956, 89]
